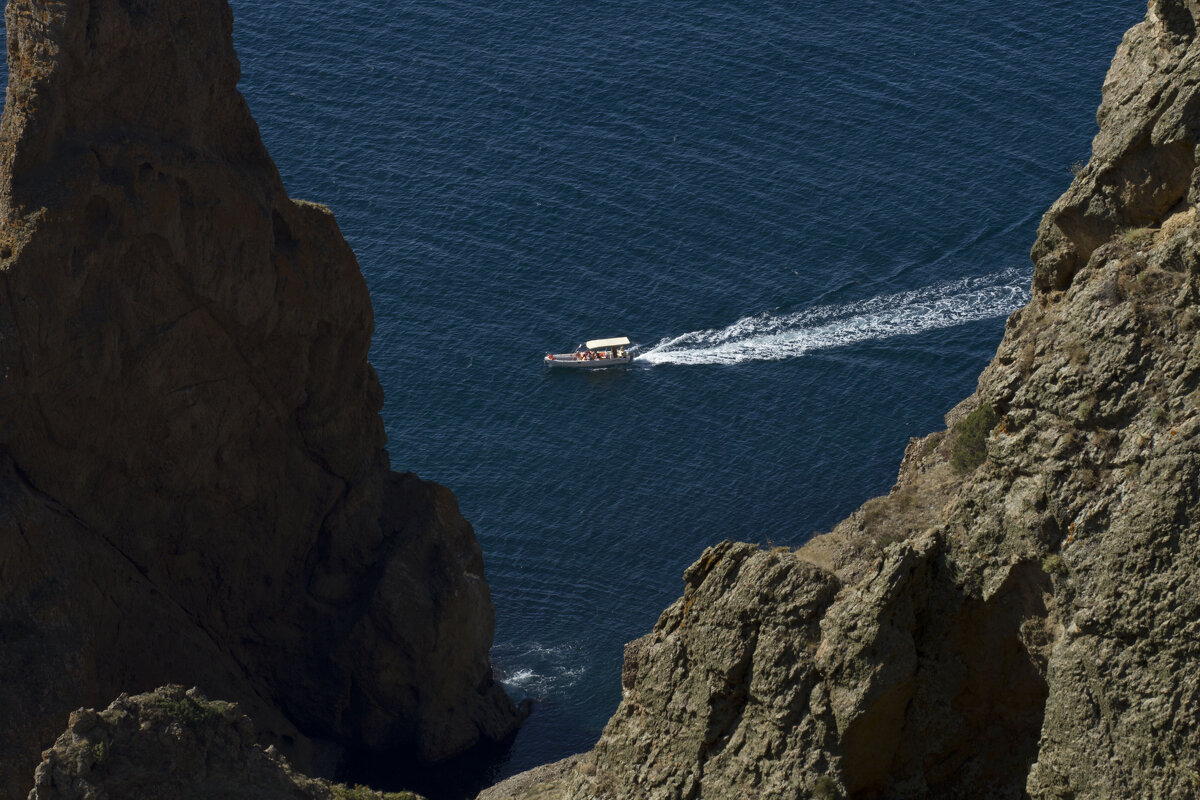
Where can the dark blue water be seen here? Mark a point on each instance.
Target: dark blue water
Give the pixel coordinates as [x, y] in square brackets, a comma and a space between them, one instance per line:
[812, 217]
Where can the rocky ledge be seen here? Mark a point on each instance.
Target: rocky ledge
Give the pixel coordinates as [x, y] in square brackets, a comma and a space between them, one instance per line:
[1020, 615]
[172, 743]
[193, 482]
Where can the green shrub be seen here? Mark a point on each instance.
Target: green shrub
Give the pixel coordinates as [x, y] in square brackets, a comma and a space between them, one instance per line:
[1137, 237]
[343, 792]
[1084, 411]
[825, 788]
[1052, 564]
[359, 792]
[190, 712]
[970, 448]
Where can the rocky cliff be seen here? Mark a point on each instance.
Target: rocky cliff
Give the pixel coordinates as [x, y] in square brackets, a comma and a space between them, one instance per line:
[193, 485]
[1019, 616]
[175, 744]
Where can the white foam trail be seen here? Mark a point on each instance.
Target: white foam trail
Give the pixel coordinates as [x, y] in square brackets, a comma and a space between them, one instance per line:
[767, 337]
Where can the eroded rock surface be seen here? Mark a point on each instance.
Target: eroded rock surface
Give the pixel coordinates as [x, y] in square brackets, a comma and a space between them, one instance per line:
[191, 456]
[1143, 160]
[175, 744]
[1020, 615]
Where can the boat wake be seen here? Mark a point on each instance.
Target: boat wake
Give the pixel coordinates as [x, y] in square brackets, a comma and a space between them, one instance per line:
[772, 337]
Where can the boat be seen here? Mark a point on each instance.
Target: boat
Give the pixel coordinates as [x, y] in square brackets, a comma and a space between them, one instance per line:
[593, 354]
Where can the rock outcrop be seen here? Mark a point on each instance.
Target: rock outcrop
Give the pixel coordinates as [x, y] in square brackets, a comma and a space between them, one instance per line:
[193, 485]
[1143, 160]
[1019, 616]
[174, 744]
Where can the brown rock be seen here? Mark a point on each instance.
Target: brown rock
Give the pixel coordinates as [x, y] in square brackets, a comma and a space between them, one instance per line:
[1143, 162]
[192, 469]
[541, 783]
[175, 744]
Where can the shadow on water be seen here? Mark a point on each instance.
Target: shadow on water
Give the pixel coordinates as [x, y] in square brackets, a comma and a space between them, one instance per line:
[459, 778]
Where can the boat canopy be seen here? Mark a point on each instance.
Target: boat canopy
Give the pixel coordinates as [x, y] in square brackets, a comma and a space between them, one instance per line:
[600, 344]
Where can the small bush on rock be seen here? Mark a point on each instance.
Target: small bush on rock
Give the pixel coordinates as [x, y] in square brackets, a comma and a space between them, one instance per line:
[970, 449]
[1137, 237]
[826, 788]
[190, 712]
[1052, 564]
[359, 792]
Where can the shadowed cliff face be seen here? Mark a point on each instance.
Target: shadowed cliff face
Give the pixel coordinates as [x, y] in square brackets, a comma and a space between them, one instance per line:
[191, 457]
[172, 743]
[1018, 617]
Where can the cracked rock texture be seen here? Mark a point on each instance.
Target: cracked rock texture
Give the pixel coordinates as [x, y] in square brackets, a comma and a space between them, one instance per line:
[193, 485]
[1020, 615]
[175, 744]
[1144, 158]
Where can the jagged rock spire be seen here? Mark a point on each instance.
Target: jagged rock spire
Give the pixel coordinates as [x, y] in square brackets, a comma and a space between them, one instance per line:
[194, 486]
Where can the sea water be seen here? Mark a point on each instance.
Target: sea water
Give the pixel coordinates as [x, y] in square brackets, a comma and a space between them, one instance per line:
[812, 218]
